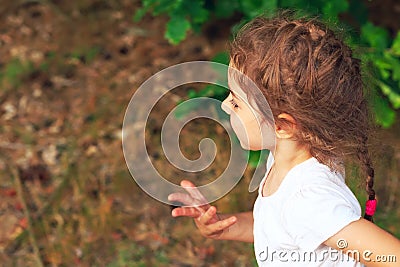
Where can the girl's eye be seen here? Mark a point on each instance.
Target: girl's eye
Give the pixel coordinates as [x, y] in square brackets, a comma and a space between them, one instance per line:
[234, 103]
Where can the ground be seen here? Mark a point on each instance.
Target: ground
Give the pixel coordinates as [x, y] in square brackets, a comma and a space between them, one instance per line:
[66, 197]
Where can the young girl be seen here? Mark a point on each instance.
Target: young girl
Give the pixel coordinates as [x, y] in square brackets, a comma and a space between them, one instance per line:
[304, 215]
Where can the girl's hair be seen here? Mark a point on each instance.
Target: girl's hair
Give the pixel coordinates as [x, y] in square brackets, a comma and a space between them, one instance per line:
[304, 70]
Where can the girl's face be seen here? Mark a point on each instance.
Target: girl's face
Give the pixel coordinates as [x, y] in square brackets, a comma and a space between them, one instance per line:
[245, 123]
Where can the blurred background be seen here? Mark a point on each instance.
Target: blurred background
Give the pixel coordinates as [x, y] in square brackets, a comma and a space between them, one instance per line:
[67, 72]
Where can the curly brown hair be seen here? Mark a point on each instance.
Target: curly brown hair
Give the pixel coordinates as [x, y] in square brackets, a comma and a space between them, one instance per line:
[305, 70]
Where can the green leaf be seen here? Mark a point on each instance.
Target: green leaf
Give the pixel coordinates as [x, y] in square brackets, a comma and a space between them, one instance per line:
[383, 66]
[197, 27]
[248, 8]
[359, 11]
[225, 8]
[176, 30]
[269, 6]
[195, 9]
[214, 91]
[253, 8]
[392, 95]
[146, 5]
[13, 69]
[254, 158]
[139, 14]
[384, 115]
[396, 71]
[302, 7]
[375, 36]
[396, 45]
[391, 63]
[222, 57]
[332, 9]
[165, 6]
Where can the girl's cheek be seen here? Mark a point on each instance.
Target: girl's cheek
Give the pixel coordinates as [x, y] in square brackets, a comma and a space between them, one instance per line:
[240, 130]
[225, 106]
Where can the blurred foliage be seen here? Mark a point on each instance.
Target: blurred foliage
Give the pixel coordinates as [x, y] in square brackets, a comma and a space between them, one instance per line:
[379, 51]
[130, 256]
[14, 72]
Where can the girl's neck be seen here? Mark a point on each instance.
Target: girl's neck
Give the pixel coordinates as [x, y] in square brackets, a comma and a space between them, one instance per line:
[288, 154]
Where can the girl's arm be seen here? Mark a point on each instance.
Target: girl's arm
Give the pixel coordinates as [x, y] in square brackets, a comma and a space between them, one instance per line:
[237, 226]
[242, 230]
[366, 242]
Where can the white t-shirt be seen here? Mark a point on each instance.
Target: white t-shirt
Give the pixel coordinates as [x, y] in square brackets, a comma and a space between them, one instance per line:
[311, 204]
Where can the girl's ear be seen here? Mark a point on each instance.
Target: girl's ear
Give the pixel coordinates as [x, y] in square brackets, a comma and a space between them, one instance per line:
[285, 126]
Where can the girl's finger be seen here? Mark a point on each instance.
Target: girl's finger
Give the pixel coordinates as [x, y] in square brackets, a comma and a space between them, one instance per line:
[183, 198]
[194, 192]
[223, 224]
[208, 215]
[188, 212]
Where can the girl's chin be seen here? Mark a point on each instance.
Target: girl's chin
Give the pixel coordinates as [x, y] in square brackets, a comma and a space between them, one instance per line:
[255, 147]
[246, 146]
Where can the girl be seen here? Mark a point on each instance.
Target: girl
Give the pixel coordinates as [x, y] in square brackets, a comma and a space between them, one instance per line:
[304, 215]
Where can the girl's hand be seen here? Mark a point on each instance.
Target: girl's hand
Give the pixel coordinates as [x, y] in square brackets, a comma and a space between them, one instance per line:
[209, 223]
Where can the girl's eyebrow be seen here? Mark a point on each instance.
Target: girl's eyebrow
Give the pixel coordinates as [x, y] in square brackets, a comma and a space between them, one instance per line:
[232, 93]
[229, 88]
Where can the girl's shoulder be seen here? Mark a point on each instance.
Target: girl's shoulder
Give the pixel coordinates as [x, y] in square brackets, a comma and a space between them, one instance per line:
[312, 183]
[309, 176]
[313, 173]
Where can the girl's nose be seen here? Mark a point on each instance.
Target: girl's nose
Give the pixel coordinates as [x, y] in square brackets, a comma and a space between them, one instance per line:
[225, 106]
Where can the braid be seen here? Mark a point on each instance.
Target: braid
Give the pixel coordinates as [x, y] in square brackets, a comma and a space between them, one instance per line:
[365, 159]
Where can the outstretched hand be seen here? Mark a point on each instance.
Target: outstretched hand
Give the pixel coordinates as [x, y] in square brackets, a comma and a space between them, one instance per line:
[209, 223]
